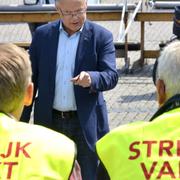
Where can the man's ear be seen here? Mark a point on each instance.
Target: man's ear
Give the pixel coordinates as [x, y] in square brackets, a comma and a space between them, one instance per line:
[28, 94]
[161, 92]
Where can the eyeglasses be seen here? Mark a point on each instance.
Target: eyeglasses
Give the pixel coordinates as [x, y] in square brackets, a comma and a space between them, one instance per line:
[72, 13]
[155, 74]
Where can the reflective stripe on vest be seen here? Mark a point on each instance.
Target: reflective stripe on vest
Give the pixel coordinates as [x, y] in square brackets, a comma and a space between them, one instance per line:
[31, 152]
[143, 150]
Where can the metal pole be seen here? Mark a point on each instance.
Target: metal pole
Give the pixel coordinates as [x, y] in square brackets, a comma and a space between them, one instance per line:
[122, 23]
[133, 17]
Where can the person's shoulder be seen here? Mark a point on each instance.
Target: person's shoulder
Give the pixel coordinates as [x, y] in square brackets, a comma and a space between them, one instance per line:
[36, 129]
[126, 129]
[48, 26]
[96, 27]
[39, 134]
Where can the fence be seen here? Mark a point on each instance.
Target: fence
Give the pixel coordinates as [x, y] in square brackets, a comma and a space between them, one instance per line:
[96, 12]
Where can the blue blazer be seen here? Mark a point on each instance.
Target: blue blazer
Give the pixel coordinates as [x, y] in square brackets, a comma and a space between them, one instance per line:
[95, 54]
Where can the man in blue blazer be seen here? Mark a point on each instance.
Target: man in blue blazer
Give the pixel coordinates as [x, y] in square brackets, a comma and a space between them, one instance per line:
[73, 62]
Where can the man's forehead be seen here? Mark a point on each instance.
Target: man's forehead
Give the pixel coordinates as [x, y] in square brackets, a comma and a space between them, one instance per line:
[71, 1]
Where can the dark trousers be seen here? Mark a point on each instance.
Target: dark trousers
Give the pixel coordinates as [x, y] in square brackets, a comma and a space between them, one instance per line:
[87, 159]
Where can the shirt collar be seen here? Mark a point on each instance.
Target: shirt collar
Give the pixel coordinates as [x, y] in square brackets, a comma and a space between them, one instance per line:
[62, 29]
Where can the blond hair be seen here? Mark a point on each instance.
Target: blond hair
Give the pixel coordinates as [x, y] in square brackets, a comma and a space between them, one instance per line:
[15, 75]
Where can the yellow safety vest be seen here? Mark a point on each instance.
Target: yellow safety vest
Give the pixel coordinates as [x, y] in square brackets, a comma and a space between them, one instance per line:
[31, 152]
[143, 150]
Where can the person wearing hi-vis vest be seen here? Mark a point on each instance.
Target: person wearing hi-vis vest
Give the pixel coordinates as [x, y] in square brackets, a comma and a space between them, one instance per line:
[28, 152]
[148, 150]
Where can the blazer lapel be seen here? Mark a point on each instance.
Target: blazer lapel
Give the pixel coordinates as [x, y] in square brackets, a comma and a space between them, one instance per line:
[84, 40]
[52, 54]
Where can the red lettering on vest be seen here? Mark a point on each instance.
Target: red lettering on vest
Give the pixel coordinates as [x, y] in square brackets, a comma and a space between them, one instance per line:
[22, 148]
[165, 146]
[149, 146]
[169, 171]
[145, 171]
[9, 151]
[10, 167]
[133, 149]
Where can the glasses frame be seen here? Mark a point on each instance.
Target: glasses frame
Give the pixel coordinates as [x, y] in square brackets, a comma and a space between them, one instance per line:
[71, 14]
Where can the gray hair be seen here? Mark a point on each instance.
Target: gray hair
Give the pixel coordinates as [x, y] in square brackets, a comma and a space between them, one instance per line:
[168, 68]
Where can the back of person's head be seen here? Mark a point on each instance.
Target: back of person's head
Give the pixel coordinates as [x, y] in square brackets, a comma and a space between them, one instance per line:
[168, 69]
[15, 75]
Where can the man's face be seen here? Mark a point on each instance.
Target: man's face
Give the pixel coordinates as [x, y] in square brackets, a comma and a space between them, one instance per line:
[73, 14]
